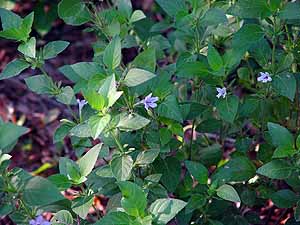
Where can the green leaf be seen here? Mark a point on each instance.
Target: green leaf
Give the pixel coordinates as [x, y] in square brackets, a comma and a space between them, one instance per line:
[82, 205]
[262, 52]
[298, 142]
[213, 17]
[198, 171]
[284, 198]
[66, 96]
[109, 90]
[53, 48]
[98, 124]
[62, 217]
[172, 7]
[280, 135]
[46, 17]
[165, 135]
[248, 9]
[28, 48]
[285, 85]
[169, 108]
[125, 7]
[166, 209]
[9, 19]
[116, 218]
[246, 36]
[10, 134]
[134, 199]
[136, 77]
[132, 121]
[14, 68]
[285, 62]
[13, 34]
[136, 16]
[17, 31]
[290, 12]
[236, 170]
[146, 60]
[283, 151]
[228, 108]
[196, 201]
[60, 181]
[39, 192]
[73, 12]
[62, 131]
[88, 161]
[26, 25]
[81, 70]
[39, 84]
[112, 53]
[121, 167]
[170, 169]
[71, 170]
[214, 59]
[147, 156]
[5, 210]
[191, 69]
[276, 169]
[228, 193]
[95, 100]
[81, 130]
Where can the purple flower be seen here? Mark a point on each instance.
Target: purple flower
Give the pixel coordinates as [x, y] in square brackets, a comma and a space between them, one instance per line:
[149, 101]
[81, 103]
[264, 77]
[221, 92]
[39, 220]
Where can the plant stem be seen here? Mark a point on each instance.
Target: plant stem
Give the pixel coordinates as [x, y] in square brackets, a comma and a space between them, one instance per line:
[26, 209]
[117, 141]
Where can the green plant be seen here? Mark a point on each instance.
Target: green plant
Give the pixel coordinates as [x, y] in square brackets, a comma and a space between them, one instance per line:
[230, 67]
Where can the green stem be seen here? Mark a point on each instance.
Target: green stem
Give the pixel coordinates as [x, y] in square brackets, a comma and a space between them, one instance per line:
[26, 209]
[117, 141]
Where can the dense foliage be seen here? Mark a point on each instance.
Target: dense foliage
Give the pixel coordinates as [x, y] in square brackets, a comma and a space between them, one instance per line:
[208, 74]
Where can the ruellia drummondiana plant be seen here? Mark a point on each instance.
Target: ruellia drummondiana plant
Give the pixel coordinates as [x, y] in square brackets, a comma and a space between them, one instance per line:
[188, 113]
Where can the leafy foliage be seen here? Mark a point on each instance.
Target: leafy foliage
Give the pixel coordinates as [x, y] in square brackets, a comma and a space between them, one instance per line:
[207, 74]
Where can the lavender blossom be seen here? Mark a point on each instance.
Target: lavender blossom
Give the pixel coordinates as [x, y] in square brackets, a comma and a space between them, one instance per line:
[149, 101]
[81, 103]
[39, 220]
[221, 92]
[264, 77]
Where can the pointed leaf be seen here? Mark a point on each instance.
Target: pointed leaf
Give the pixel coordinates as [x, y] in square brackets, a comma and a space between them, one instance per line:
[121, 167]
[276, 169]
[39, 191]
[166, 209]
[112, 54]
[136, 77]
[98, 124]
[198, 171]
[134, 199]
[88, 161]
[14, 68]
[28, 48]
[53, 48]
[73, 12]
[228, 193]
